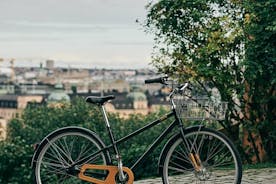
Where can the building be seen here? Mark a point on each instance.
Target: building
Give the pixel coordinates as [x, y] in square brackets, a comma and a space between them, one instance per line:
[135, 102]
[3, 129]
[126, 104]
[58, 96]
[11, 106]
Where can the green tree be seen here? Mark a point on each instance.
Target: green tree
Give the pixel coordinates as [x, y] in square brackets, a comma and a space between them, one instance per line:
[260, 75]
[214, 42]
[201, 41]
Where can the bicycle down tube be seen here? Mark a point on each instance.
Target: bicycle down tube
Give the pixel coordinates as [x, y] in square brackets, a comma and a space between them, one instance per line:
[133, 134]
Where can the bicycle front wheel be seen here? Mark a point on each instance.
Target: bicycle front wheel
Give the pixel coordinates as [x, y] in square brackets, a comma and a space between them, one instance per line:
[204, 156]
[62, 154]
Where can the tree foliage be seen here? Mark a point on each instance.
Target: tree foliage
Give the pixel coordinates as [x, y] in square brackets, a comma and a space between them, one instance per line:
[227, 44]
[260, 75]
[200, 41]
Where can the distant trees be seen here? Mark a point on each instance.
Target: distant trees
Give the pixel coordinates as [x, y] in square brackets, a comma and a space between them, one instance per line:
[230, 45]
[36, 122]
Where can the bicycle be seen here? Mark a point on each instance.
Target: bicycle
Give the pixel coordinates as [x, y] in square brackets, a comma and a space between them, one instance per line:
[195, 154]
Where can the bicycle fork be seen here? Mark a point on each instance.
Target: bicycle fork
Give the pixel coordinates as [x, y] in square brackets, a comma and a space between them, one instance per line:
[193, 154]
[196, 162]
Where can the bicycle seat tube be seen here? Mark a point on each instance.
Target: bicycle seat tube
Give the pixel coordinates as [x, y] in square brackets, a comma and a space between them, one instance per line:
[114, 145]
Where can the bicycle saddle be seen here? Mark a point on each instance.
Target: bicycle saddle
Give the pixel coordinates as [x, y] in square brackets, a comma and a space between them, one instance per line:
[99, 100]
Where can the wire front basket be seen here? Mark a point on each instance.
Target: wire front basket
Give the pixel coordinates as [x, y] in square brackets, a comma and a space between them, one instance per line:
[199, 109]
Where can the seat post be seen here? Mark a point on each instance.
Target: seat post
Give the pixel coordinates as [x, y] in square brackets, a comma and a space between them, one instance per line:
[109, 130]
[105, 116]
[122, 177]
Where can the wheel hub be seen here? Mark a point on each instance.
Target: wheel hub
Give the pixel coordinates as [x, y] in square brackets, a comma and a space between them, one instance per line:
[203, 174]
[73, 170]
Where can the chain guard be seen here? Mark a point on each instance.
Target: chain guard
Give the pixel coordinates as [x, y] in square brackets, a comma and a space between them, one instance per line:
[111, 177]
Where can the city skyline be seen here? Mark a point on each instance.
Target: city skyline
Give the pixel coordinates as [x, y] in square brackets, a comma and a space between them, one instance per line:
[84, 33]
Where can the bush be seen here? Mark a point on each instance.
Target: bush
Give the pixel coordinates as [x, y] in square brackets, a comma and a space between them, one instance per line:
[37, 122]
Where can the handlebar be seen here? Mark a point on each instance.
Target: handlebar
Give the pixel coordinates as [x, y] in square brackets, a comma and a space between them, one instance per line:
[161, 80]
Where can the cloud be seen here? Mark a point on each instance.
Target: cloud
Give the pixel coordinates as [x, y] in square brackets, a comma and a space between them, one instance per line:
[89, 11]
[103, 32]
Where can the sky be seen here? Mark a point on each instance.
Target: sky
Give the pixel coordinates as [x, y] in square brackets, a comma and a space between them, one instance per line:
[75, 33]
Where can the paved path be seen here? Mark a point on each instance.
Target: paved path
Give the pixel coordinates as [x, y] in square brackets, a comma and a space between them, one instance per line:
[251, 176]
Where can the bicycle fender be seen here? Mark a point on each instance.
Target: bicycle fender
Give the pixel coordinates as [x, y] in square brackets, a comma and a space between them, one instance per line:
[170, 142]
[40, 145]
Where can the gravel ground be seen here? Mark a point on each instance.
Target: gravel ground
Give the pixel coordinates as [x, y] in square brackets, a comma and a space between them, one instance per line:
[251, 176]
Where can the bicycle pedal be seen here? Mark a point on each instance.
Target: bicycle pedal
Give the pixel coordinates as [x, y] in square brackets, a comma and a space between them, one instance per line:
[111, 170]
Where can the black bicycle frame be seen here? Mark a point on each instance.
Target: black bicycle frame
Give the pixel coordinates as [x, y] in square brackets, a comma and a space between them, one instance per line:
[155, 143]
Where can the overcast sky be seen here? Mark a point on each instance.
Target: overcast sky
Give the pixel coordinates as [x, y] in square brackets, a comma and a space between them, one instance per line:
[89, 33]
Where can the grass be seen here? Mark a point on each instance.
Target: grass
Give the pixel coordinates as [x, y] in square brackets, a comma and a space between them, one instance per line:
[259, 166]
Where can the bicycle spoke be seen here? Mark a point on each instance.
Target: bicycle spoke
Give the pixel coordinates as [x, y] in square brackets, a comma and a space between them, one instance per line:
[83, 151]
[61, 155]
[214, 154]
[177, 165]
[186, 153]
[50, 164]
[179, 169]
[215, 162]
[54, 171]
[200, 144]
[66, 148]
[181, 157]
[52, 159]
[223, 158]
[57, 157]
[194, 145]
[89, 158]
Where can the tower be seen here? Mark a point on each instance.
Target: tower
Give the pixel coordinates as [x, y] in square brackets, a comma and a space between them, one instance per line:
[12, 70]
[50, 64]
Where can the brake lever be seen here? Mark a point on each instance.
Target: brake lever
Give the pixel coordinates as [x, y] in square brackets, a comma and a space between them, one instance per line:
[164, 80]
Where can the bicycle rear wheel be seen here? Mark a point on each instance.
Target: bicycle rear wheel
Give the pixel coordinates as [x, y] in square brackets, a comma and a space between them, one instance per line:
[204, 156]
[59, 153]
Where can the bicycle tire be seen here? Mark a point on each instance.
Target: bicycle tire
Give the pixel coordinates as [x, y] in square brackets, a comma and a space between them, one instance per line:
[176, 165]
[59, 151]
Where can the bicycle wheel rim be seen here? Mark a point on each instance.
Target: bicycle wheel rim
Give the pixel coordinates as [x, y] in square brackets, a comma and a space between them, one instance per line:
[67, 148]
[215, 172]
